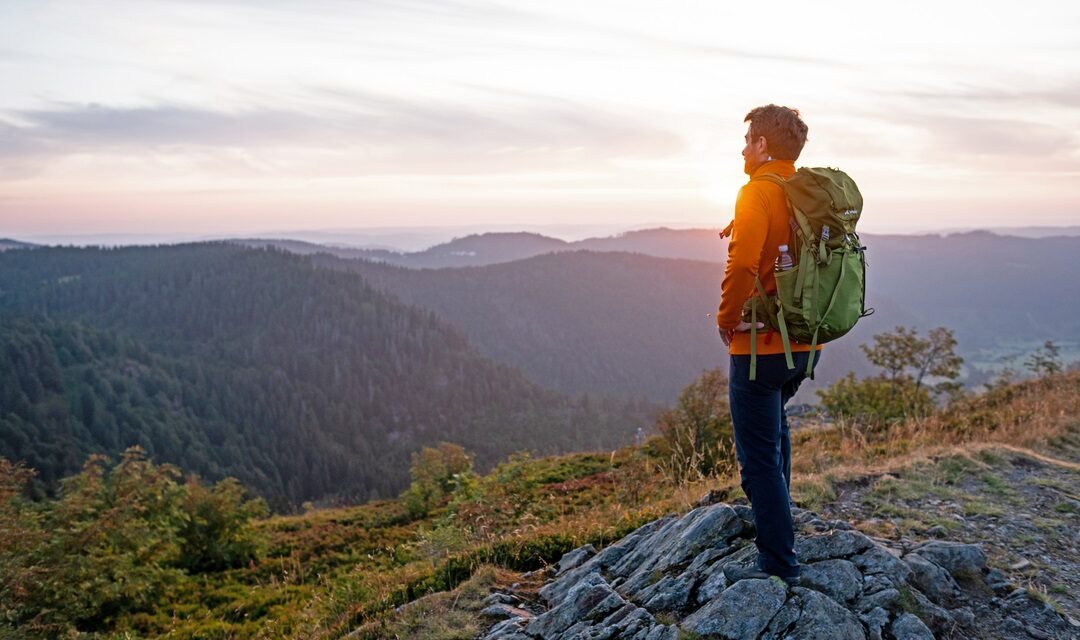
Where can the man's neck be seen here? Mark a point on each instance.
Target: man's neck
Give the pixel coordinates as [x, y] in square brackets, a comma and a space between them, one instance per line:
[773, 166]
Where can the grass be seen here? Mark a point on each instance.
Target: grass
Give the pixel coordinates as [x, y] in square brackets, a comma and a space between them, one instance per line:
[974, 506]
[450, 615]
[1065, 507]
[377, 571]
[972, 434]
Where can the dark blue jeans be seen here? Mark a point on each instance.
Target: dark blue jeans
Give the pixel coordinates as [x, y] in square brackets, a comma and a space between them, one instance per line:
[763, 446]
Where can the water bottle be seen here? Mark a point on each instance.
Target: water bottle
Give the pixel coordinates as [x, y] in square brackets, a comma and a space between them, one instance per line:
[784, 261]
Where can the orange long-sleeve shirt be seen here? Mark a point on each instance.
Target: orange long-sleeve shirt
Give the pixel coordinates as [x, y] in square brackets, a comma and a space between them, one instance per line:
[760, 227]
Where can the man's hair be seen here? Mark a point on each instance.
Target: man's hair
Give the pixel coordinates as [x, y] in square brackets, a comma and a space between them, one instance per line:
[784, 130]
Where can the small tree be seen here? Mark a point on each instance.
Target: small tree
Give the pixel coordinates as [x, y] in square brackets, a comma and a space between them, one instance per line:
[217, 533]
[908, 363]
[697, 435]
[21, 534]
[436, 472]
[112, 547]
[485, 508]
[1045, 361]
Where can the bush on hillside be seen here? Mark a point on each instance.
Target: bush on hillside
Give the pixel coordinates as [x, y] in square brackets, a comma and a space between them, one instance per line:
[915, 373]
[111, 544]
[697, 438]
[874, 399]
[216, 533]
[1045, 361]
[436, 473]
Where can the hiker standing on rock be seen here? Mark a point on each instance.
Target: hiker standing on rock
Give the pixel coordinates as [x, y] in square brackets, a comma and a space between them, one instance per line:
[774, 140]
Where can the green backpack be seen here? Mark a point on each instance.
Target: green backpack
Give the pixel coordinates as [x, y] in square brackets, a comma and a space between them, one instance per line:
[824, 294]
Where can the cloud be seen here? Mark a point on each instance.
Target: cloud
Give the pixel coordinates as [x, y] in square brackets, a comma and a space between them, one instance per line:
[1062, 95]
[996, 137]
[379, 133]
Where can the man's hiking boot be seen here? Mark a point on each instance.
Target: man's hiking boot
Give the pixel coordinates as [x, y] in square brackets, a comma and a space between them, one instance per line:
[735, 572]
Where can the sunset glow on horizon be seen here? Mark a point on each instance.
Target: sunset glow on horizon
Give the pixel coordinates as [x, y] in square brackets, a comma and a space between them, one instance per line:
[241, 117]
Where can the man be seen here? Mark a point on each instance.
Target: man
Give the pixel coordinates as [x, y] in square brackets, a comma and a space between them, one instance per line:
[774, 140]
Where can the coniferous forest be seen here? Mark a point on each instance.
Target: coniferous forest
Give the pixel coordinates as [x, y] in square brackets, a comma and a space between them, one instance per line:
[304, 383]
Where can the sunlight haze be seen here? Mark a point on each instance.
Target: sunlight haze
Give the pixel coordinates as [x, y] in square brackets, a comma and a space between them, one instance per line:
[243, 117]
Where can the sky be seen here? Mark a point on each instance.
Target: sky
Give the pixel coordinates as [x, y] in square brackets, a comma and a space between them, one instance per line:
[203, 118]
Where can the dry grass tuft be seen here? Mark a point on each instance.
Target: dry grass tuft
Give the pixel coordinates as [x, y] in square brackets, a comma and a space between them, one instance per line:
[1038, 418]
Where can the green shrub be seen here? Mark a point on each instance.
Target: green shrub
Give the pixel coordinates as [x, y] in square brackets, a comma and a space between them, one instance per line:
[875, 400]
[436, 472]
[112, 544]
[217, 533]
[697, 438]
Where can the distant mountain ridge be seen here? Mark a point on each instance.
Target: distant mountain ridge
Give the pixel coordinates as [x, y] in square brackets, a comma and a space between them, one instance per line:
[8, 243]
[690, 244]
[619, 322]
[492, 248]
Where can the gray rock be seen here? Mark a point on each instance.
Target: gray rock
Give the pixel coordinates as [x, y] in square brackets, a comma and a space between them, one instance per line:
[1013, 628]
[939, 620]
[591, 599]
[744, 511]
[887, 599]
[909, 627]
[932, 579]
[501, 611]
[741, 611]
[663, 632]
[875, 620]
[878, 560]
[712, 586]
[575, 558]
[654, 544]
[964, 616]
[877, 582]
[672, 548]
[834, 544]
[555, 592]
[625, 622]
[498, 598]
[511, 629]
[955, 557]
[838, 579]
[809, 615]
[851, 587]
[670, 593]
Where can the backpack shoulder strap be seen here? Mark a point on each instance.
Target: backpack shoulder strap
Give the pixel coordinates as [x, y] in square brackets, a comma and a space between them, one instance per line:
[771, 177]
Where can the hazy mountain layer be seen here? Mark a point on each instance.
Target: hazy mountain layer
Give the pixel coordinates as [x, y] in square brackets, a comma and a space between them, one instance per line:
[303, 382]
[636, 324]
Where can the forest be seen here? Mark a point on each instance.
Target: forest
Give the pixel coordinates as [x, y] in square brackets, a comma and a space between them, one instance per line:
[305, 383]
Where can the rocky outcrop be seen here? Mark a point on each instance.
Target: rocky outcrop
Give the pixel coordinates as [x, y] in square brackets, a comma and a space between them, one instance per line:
[666, 581]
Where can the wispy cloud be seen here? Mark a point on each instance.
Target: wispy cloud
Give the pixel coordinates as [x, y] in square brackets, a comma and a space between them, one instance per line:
[383, 133]
[972, 136]
[1064, 94]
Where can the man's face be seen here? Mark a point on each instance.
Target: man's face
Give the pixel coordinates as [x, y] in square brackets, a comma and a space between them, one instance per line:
[755, 153]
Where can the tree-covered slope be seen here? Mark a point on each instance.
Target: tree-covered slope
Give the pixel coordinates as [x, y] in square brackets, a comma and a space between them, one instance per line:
[605, 322]
[303, 382]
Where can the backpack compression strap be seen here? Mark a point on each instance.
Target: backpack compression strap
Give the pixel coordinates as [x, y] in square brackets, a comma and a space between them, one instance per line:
[780, 321]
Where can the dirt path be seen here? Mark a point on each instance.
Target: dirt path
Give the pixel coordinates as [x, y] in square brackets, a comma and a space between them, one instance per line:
[1022, 506]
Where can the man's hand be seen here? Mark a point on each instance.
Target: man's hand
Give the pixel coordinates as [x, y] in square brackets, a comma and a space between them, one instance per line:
[727, 334]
